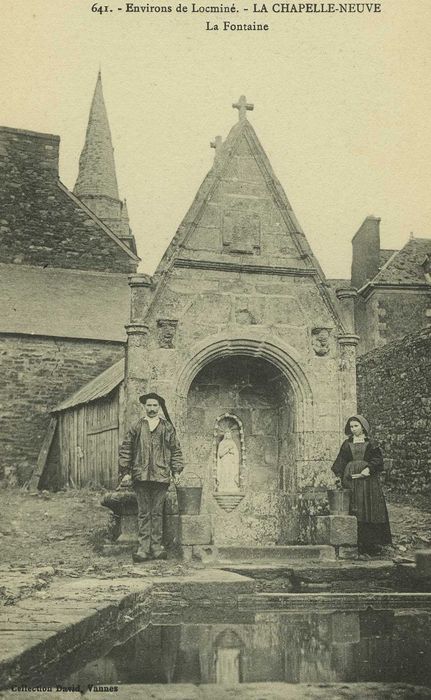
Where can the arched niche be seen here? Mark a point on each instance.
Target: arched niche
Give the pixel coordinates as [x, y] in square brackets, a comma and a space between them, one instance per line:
[270, 457]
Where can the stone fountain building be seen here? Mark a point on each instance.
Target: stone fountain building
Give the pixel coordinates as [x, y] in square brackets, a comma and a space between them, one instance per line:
[242, 334]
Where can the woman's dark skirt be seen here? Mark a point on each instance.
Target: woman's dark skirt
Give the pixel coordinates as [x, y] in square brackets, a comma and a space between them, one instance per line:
[371, 536]
[368, 504]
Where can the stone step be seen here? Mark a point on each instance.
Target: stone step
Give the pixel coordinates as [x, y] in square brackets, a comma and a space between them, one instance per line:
[343, 601]
[286, 553]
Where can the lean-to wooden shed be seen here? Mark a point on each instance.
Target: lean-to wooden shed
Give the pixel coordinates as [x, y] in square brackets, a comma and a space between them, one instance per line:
[84, 448]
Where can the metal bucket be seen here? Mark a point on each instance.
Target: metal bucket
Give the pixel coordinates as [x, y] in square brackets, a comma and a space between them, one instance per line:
[339, 501]
[189, 496]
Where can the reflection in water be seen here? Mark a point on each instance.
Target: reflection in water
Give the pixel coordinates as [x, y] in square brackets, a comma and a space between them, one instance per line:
[227, 658]
[318, 647]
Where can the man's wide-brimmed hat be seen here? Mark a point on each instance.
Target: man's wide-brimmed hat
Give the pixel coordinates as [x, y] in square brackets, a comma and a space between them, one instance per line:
[160, 399]
[152, 395]
[363, 421]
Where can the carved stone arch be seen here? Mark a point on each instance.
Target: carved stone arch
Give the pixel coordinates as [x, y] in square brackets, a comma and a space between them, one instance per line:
[286, 360]
[279, 354]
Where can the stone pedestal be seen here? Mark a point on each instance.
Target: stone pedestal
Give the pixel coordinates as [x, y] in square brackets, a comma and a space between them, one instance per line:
[337, 530]
[194, 529]
[340, 531]
[195, 538]
[124, 506]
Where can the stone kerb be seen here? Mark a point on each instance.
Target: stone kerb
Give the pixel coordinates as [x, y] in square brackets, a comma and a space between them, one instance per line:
[423, 564]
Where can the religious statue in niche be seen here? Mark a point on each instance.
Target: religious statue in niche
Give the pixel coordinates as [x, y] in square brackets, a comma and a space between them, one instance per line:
[228, 462]
[320, 340]
[229, 454]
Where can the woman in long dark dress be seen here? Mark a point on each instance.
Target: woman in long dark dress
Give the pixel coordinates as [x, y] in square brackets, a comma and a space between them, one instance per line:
[358, 465]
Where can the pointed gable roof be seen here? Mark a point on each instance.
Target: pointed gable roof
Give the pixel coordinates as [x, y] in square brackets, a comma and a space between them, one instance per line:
[242, 175]
[241, 133]
[97, 176]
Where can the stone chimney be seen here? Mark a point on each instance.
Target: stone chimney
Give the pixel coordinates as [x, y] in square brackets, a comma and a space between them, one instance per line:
[366, 252]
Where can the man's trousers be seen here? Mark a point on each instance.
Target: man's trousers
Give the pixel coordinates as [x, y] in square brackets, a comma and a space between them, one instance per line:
[151, 496]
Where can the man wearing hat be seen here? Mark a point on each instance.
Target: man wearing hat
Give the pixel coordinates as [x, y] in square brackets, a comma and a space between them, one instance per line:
[150, 453]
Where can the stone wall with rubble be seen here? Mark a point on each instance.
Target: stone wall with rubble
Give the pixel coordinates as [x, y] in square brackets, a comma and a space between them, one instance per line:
[394, 393]
[38, 373]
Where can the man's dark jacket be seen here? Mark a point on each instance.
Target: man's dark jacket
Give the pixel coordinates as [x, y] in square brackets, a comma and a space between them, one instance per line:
[135, 452]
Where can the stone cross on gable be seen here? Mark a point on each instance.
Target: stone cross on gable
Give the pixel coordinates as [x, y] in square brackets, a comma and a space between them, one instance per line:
[243, 106]
[216, 143]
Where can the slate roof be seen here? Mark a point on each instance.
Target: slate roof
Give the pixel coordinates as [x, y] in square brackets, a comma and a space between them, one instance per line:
[385, 255]
[42, 222]
[100, 386]
[405, 265]
[63, 303]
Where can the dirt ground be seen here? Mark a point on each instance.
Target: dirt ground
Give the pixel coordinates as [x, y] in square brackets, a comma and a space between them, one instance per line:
[51, 535]
[47, 535]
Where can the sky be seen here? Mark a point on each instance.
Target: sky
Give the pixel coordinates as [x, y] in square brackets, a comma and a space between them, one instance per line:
[341, 107]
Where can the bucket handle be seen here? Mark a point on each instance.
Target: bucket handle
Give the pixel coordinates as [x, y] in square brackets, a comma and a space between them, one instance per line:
[191, 474]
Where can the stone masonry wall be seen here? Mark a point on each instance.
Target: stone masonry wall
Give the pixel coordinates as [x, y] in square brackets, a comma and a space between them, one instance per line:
[394, 393]
[401, 313]
[37, 374]
[40, 223]
[389, 315]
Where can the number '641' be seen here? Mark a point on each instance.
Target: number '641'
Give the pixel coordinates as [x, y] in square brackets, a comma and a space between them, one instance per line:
[99, 8]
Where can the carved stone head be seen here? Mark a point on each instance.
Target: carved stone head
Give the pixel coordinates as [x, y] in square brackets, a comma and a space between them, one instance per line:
[320, 340]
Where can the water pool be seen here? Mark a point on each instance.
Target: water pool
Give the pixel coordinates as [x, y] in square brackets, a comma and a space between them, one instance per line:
[355, 646]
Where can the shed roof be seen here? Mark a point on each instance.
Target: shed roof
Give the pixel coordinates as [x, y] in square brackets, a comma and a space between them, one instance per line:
[100, 386]
[63, 303]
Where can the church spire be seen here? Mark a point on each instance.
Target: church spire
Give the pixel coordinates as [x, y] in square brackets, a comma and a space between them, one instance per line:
[97, 175]
[96, 184]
